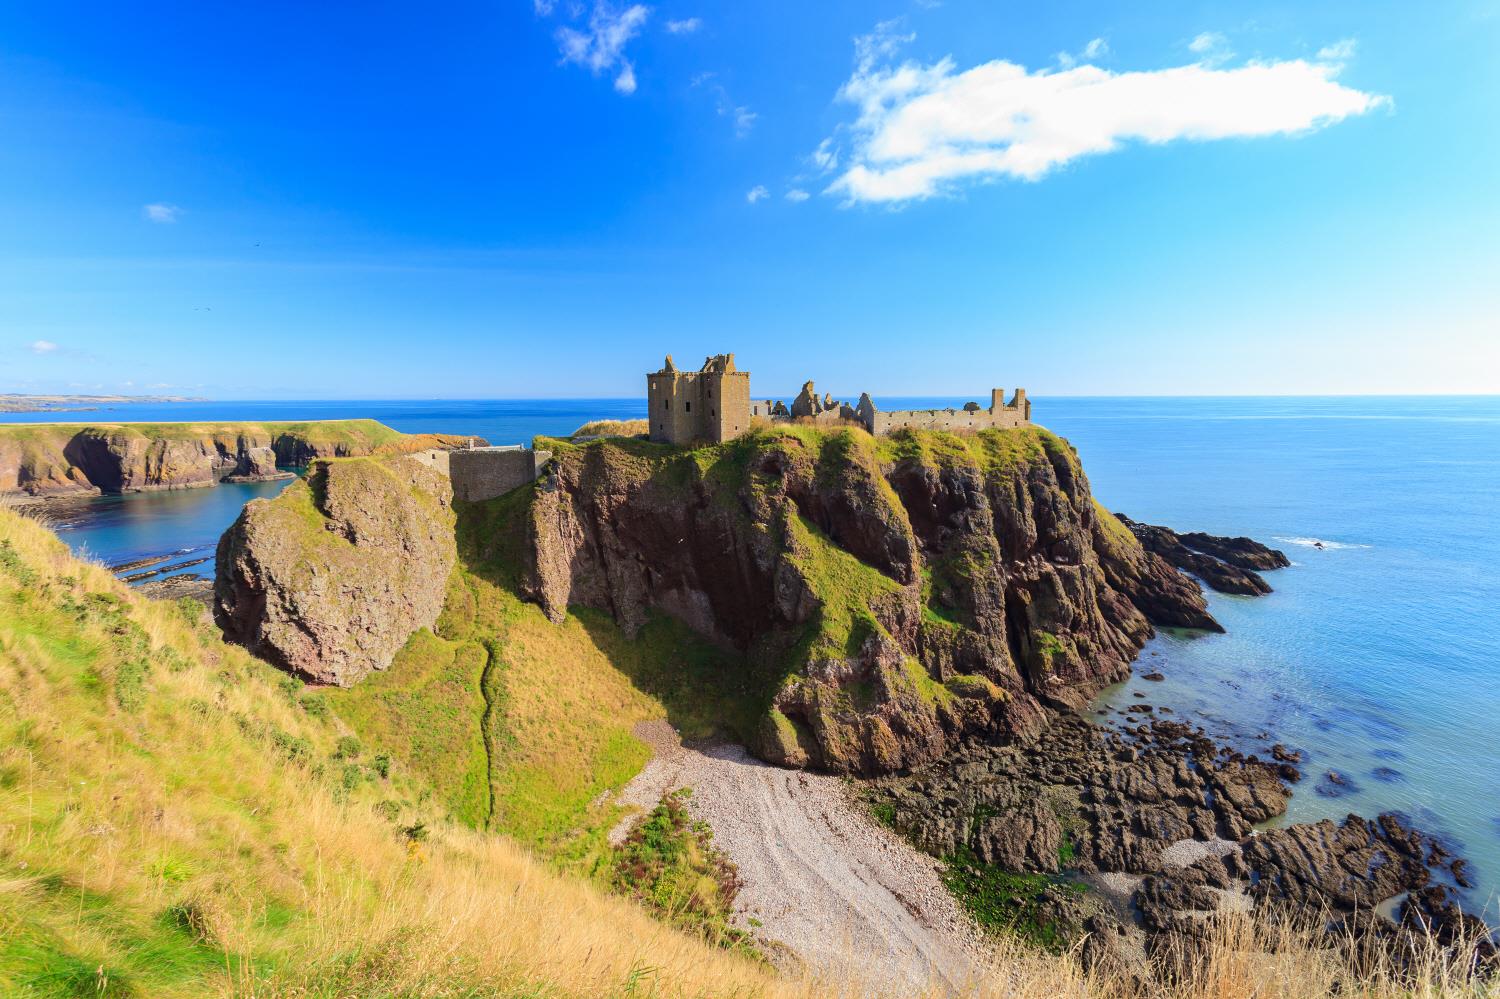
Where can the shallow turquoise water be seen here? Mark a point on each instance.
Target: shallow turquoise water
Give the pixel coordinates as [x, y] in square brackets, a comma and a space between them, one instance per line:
[1382, 651]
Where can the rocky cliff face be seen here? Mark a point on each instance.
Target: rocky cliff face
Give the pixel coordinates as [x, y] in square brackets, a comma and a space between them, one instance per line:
[57, 460]
[893, 595]
[331, 578]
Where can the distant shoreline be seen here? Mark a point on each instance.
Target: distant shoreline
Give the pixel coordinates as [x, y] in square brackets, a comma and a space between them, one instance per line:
[11, 402]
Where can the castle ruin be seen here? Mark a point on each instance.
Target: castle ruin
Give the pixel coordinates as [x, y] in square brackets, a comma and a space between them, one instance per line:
[713, 405]
[710, 404]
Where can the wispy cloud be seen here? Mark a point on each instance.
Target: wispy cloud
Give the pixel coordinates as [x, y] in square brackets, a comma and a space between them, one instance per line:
[1212, 45]
[757, 193]
[161, 213]
[796, 194]
[601, 47]
[925, 130]
[686, 26]
[744, 119]
[44, 347]
[1339, 51]
[1096, 49]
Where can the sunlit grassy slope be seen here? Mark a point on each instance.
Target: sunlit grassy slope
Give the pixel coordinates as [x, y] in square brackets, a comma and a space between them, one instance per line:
[178, 819]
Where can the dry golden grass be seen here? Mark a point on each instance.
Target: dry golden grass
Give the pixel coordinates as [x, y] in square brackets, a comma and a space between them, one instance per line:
[181, 849]
[613, 428]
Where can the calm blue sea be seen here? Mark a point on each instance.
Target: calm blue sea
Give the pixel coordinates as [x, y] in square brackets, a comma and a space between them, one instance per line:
[1378, 656]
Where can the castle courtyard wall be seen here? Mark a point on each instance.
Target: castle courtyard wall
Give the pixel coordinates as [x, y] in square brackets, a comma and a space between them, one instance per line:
[882, 422]
[486, 472]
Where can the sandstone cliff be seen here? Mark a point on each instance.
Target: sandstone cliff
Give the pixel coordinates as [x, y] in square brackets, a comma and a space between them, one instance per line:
[331, 578]
[889, 596]
[39, 460]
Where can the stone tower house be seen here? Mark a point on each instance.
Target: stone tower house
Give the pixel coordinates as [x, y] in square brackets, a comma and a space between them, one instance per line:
[711, 404]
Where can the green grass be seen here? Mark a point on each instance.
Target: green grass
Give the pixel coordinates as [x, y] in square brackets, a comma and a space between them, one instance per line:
[669, 864]
[1006, 902]
[208, 835]
[846, 587]
[426, 711]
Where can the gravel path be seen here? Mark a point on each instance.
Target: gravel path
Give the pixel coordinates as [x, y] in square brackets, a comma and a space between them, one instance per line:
[853, 902]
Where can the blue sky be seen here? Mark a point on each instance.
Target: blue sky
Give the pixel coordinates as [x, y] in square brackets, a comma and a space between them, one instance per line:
[913, 198]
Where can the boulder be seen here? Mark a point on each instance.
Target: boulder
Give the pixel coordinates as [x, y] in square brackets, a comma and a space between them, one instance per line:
[329, 579]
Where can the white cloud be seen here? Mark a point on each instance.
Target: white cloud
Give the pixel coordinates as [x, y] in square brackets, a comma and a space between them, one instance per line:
[1339, 51]
[1210, 43]
[544, 8]
[602, 46]
[161, 213]
[686, 26]
[797, 194]
[757, 193]
[44, 347]
[924, 130]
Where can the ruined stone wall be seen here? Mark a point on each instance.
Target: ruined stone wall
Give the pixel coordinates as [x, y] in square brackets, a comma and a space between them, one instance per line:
[1016, 413]
[944, 419]
[486, 472]
[434, 458]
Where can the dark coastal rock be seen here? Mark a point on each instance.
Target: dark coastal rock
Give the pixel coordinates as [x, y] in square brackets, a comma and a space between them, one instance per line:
[991, 586]
[331, 578]
[1219, 573]
[1240, 552]
[1130, 803]
[1335, 785]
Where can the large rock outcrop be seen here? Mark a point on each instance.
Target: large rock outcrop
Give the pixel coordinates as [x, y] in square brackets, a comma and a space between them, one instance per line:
[61, 460]
[330, 579]
[890, 596]
[1226, 564]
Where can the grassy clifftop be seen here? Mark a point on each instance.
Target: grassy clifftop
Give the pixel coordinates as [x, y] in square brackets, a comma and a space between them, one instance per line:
[47, 459]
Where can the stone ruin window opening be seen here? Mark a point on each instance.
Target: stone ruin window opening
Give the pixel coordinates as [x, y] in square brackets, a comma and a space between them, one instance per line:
[687, 406]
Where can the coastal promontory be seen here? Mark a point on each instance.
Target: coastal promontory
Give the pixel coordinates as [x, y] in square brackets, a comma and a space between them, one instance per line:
[45, 459]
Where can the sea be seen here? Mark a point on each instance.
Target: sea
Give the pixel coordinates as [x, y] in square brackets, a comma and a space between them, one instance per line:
[1377, 656]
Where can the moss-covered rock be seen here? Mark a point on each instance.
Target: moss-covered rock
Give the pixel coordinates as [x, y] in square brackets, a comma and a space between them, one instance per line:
[858, 577]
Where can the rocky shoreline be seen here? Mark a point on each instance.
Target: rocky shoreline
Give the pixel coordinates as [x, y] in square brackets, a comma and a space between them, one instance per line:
[1162, 821]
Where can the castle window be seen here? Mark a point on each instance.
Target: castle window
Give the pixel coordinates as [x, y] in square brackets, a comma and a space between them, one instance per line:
[666, 404]
[687, 407]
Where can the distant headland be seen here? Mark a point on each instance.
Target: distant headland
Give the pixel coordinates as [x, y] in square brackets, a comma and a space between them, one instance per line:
[11, 402]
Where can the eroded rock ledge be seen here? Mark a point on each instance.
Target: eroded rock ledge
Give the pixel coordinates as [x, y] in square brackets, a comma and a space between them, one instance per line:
[1228, 565]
